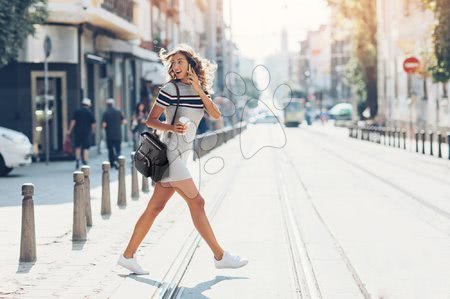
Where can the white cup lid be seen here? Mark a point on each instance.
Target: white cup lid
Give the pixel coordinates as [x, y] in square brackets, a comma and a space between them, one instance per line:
[184, 119]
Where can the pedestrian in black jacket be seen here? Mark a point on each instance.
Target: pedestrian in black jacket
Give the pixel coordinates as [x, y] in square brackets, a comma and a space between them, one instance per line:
[112, 122]
[82, 125]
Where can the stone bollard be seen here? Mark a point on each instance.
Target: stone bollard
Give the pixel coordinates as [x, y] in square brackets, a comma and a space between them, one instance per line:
[87, 193]
[422, 132]
[106, 199]
[79, 208]
[28, 235]
[134, 179]
[431, 142]
[439, 136]
[404, 138]
[384, 135]
[121, 194]
[416, 133]
[145, 187]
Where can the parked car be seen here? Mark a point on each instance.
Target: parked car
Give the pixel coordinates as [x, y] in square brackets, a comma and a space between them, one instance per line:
[266, 119]
[15, 150]
[341, 111]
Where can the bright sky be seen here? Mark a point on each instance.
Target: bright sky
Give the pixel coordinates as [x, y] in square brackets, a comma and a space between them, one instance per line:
[257, 24]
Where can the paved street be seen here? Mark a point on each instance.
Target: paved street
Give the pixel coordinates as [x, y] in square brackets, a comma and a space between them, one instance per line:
[318, 214]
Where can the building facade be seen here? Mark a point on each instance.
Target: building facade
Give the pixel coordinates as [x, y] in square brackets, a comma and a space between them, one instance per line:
[408, 100]
[100, 49]
[315, 65]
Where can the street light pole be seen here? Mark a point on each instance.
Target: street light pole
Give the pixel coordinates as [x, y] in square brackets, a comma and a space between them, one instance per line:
[47, 50]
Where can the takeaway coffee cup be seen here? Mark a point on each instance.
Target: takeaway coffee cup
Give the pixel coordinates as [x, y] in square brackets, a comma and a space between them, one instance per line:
[184, 120]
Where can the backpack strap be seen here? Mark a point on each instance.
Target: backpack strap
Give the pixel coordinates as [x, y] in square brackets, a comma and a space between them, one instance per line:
[176, 109]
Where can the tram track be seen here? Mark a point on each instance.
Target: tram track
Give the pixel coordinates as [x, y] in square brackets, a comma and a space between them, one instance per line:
[351, 269]
[401, 166]
[385, 181]
[170, 288]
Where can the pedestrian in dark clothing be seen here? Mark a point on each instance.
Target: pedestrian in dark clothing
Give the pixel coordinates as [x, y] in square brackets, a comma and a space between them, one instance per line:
[82, 125]
[112, 122]
[138, 123]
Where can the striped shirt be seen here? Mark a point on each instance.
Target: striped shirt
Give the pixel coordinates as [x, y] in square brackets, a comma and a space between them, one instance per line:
[167, 96]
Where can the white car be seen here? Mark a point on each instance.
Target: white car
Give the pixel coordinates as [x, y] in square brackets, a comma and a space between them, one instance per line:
[15, 150]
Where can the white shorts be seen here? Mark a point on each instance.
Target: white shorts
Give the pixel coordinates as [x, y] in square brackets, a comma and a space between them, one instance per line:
[177, 166]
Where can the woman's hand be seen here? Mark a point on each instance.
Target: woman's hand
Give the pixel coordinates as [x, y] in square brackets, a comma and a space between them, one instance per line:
[179, 128]
[193, 79]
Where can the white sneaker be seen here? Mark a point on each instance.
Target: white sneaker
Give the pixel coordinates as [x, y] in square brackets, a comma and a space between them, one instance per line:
[230, 261]
[131, 264]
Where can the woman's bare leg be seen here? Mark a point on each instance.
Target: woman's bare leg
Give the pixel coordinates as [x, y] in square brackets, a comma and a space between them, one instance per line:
[188, 190]
[161, 195]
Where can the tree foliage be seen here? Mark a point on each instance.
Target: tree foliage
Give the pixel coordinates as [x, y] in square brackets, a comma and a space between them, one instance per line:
[361, 69]
[17, 20]
[441, 68]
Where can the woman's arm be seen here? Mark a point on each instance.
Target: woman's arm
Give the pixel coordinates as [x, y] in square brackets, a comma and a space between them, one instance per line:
[154, 122]
[210, 106]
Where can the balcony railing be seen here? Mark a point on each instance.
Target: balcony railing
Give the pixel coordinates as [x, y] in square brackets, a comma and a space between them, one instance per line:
[121, 8]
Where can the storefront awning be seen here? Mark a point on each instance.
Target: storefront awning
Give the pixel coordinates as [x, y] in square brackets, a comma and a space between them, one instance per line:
[108, 44]
[155, 72]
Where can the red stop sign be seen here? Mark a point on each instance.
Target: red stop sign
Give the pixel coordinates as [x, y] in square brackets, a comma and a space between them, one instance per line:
[411, 64]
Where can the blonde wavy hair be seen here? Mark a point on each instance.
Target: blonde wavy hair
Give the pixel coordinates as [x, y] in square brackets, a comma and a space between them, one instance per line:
[204, 68]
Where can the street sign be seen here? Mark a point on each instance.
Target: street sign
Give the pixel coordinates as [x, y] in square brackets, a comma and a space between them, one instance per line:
[47, 46]
[411, 64]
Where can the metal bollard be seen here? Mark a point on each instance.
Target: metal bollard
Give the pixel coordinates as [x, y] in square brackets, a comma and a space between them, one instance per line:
[106, 199]
[422, 132]
[384, 135]
[395, 132]
[404, 138]
[389, 136]
[448, 143]
[416, 133]
[394, 137]
[134, 179]
[87, 193]
[439, 134]
[399, 139]
[28, 234]
[431, 143]
[79, 208]
[121, 194]
[145, 187]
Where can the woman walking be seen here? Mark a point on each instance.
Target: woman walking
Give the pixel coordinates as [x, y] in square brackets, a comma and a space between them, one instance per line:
[194, 77]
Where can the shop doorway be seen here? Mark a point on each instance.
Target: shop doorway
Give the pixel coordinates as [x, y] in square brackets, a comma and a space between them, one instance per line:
[57, 112]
